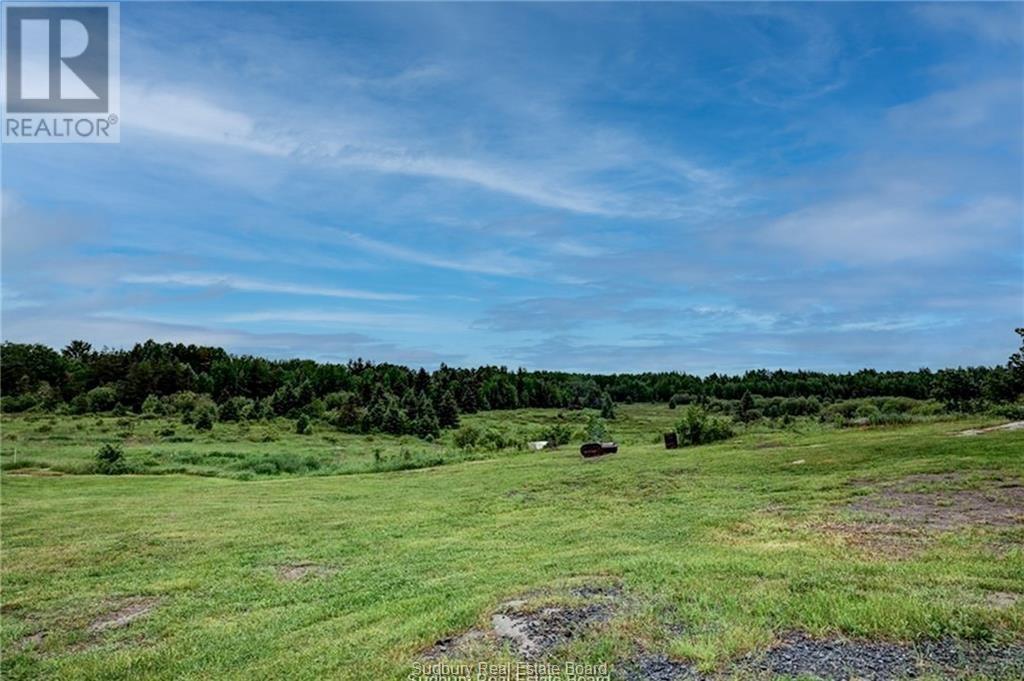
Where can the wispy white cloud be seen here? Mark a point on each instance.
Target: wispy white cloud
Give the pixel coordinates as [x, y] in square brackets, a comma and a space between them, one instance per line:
[654, 183]
[394, 322]
[186, 115]
[993, 22]
[123, 331]
[487, 262]
[890, 227]
[228, 281]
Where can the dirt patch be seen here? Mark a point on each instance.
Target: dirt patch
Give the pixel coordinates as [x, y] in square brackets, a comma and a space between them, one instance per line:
[538, 622]
[970, 432]
[533, 634]
[455, 646]
[898, 518]
[1001, 599]
[296, 571]
[124, 613]
[34, 472]
[31, 641]
[892, 540]
[994, 505]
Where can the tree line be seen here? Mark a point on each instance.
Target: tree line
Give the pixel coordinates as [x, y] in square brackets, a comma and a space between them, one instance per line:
[204, 383]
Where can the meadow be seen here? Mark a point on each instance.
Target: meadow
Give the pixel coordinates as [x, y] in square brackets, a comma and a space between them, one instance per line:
[362, 556]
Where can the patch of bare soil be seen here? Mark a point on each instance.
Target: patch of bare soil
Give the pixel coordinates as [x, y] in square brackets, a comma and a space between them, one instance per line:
[537, 623]
[124, 613]
[455, 646]
[1013, 425]
[35, 472]
[533, 634]
[898, 518]
[297, 571]
[994, 505]
[33, 640]
[1001, 599]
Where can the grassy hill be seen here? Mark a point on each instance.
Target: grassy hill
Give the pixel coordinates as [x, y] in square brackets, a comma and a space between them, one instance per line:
[714, 552]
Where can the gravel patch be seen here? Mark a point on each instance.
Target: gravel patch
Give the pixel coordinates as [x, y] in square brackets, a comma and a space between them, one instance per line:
[657, 667]
[838, 659]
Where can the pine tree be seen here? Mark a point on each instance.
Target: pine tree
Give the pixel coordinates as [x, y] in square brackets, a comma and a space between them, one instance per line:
[746, 405]
[607, 407]
[448, 411]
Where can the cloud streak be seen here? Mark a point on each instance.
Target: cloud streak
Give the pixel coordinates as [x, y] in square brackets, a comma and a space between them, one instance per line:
[244, 284]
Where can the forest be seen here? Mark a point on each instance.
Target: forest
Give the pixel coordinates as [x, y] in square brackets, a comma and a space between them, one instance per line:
[205, 384]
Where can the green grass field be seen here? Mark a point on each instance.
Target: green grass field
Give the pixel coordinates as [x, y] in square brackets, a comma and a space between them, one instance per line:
[720, 548]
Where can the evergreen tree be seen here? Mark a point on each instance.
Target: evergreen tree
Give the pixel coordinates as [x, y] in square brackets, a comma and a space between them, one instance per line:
[607, 407]
[448, 411]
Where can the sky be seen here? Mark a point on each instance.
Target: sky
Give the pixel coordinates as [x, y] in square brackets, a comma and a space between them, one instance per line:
[604, 188]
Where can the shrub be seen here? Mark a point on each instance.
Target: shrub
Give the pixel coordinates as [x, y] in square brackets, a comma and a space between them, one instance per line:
[467, 437]
[494, 440]
[1013, 411]
[152, 406]
[11, 404]
[556, 434]
[303, 426]
[110, 460]
[202, 419]
[102, 398]
[596, 428]
[697, 427]
[181, 404]
[79, 404]
[607, 407]
[867, 411]
[236, 409]
[426, 425]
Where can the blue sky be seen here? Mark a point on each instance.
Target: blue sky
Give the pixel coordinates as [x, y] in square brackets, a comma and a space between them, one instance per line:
[602, 187]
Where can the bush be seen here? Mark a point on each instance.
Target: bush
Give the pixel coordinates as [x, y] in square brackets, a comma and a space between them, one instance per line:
[236, 409]
[1013, 411]
[110, 460]
[596, 428]
[556, 434]
[303, 426]
[203, 419]
[180, 404]
[697, 427]
[607, 407]
[11, 404]
[102, 398]
[152, 406]
[466, 437]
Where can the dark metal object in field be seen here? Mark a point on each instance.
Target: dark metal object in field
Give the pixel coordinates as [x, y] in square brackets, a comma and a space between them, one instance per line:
[671, 441]
[592, 449]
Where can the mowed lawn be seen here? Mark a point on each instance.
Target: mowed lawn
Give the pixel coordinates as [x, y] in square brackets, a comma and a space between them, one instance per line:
[720, 549]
